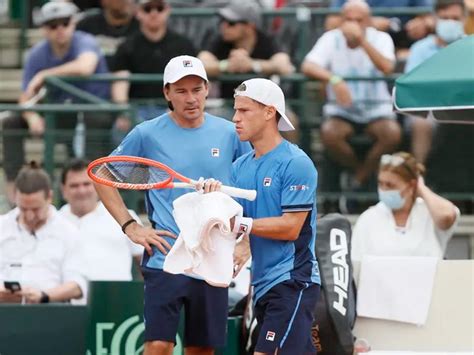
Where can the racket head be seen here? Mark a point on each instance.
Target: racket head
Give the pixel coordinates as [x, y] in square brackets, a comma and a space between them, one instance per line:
[132, 173]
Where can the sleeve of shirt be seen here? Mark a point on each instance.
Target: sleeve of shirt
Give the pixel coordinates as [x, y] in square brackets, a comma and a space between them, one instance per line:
[415, 57]
[444, 236]
[385, 46]
[298, 189]
[121, 58]
[357, 240]
[30, 69]
[87, 44]
[131, 144]
[73, 260]
[321, 52]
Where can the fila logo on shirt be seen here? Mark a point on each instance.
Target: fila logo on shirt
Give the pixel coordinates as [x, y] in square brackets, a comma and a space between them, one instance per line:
[215, 152]
[270, 336]
[267, 181]
[187, 64]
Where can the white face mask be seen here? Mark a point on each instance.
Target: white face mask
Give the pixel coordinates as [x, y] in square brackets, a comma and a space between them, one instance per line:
[393, 199]
[449, 30]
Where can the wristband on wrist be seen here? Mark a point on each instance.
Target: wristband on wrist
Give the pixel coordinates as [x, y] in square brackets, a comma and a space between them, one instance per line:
[223, 64]
[126, 224]
[335, 79]
[44, 297]
[242, 225]
[256, 66]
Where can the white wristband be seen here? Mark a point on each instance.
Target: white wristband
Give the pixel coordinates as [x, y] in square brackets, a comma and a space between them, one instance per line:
[242, 225]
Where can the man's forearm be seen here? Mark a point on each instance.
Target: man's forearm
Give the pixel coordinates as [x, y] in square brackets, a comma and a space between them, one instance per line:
[65, 292]
[383, 64]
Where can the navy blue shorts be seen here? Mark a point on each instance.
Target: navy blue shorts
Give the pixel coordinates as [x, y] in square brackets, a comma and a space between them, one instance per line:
[285, 317]
[205, 309]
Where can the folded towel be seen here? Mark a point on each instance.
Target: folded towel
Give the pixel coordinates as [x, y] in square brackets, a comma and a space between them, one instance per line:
[205, 246]
[396, 288]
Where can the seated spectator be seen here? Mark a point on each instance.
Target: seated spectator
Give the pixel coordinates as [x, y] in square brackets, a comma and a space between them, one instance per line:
[450, 20]
[111, 26]
[64, 51]
[39, 248]
[404, 30]
[409, 220]
[108, 253]
[241, 47]
[355, 49]
[146, 51]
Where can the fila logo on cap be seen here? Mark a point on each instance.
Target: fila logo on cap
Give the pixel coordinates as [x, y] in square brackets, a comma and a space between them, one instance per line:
[270, 336]
[187, 63]
[267, 181]
[215, 152]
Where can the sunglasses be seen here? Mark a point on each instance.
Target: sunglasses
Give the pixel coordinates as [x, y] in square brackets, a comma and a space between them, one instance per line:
[232, 23]
[52, 25]
[148, 8]
[395, 160]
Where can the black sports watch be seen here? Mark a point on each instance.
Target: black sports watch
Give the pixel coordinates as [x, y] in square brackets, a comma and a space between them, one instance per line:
[44, 297]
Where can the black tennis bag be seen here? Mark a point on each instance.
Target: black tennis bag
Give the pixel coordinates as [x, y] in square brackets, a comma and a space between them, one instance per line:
[335, 312]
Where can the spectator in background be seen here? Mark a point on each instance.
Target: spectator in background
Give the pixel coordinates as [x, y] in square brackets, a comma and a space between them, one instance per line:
[409, 220]
[403, 29]
[108, 253]
[111, 26]
[469, 27]
[64, 51]
[39, 248]
[355, 49]
[241, 47]
[147, 51]
[450, 18]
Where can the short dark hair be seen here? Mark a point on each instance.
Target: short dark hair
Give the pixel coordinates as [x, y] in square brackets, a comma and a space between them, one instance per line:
[443, 4]
[76, 165]
[32, 178]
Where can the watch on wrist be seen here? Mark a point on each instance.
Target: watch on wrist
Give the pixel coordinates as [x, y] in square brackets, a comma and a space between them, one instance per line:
[44, 297]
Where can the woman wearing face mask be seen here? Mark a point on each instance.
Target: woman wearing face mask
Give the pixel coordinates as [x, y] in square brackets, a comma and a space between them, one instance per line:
[409, 220]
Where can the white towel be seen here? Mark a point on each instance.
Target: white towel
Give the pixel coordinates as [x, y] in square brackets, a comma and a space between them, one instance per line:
[205, 245]
[396, 288]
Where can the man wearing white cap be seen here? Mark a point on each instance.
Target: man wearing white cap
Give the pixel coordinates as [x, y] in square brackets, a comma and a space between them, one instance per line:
[195, 144]
[281, 222]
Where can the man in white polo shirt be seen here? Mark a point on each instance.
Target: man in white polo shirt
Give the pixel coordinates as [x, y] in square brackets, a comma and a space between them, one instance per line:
[108, 252]
[40, 253]
[355, 49]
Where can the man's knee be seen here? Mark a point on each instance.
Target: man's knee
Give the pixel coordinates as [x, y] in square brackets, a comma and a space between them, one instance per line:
[386, 132]
[13, 121]
[333, 133]
[158, 347]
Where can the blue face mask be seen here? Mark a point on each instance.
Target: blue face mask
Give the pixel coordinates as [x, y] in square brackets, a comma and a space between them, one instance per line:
[392, 198]
[449, 30]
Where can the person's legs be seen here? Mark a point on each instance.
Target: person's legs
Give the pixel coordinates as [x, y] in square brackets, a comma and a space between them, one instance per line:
[13, 150]
[206, 310]
[285, 314]
[387, 135]
[164, 296]
[335, 133]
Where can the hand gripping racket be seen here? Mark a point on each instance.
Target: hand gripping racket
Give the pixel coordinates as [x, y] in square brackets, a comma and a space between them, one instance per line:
[136, 173]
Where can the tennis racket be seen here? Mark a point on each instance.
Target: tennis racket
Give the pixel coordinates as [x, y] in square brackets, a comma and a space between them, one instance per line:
[136, 173]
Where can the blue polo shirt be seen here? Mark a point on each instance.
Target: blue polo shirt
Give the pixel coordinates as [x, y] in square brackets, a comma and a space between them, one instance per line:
[420, 51]
[206, 151]
[285, 179]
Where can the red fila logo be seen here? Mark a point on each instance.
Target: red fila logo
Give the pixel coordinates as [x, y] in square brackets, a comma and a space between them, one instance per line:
[243, 228]
[187, 64]
[215, 152]
[267, 181]
[270, 336]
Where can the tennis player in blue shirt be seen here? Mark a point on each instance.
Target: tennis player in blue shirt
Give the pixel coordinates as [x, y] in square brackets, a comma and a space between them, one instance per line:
[195, 144]
[281, 221]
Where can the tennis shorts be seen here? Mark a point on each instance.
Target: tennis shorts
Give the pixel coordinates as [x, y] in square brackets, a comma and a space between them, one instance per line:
[285, 317]
[205, 309]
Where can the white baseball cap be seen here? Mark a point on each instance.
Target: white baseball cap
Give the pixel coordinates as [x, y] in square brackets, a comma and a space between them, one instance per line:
[268, 93]
[55, 10]
[181, 66]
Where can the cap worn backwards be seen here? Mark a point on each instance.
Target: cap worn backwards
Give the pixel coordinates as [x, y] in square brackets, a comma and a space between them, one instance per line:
[268, 93]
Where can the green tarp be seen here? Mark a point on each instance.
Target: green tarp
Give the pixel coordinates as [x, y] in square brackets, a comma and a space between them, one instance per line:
[443, 84]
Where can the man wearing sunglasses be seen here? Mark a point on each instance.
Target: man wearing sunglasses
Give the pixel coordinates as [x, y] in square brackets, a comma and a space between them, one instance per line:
[146, 51]
[64, 51]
